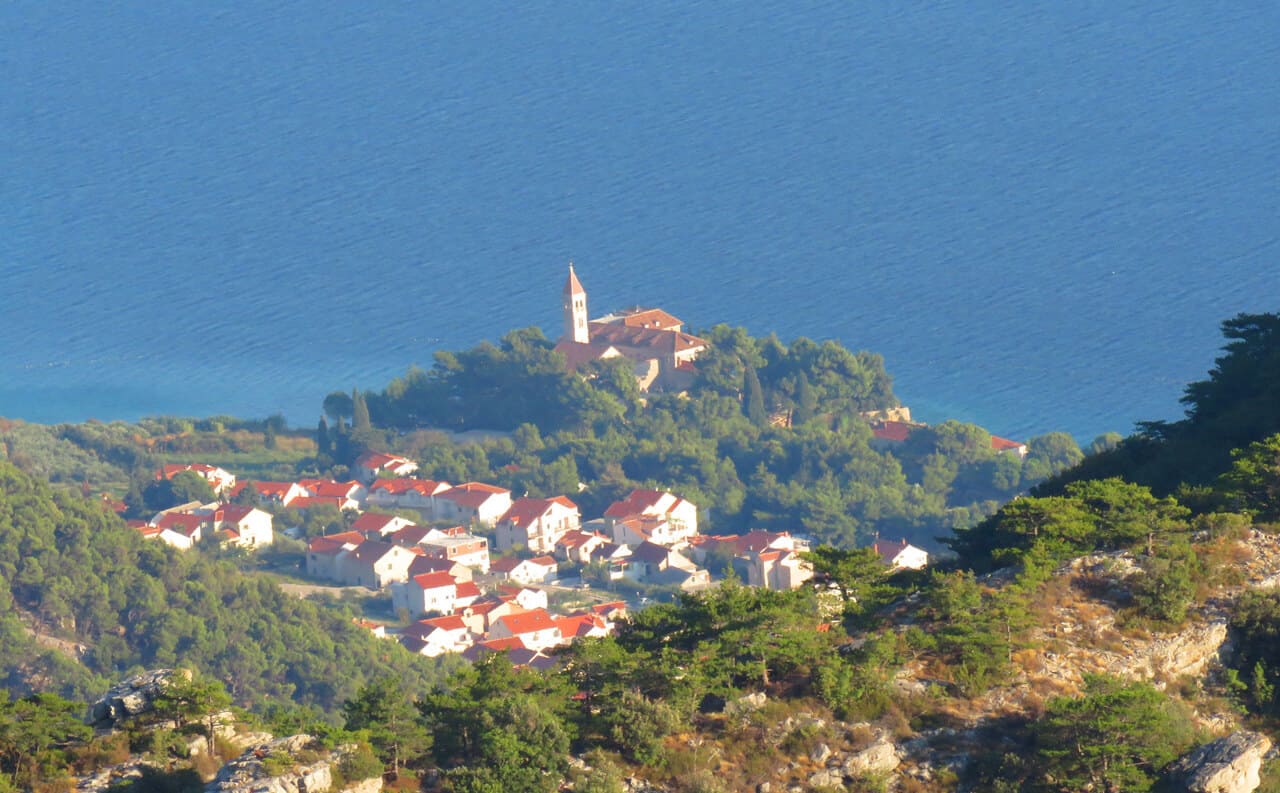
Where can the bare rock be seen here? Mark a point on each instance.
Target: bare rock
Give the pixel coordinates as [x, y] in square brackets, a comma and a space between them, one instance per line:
[820, 753]
[373, 785]
[827, 777]
[249, 773]
[104, 779]
[128, 699]
[880, 757]
[1227, 765]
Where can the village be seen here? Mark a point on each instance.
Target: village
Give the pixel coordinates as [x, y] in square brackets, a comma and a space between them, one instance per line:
[476, 568]
[473, 574]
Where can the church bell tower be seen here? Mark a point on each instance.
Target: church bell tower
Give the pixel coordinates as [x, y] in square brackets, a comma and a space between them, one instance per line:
[575, 310]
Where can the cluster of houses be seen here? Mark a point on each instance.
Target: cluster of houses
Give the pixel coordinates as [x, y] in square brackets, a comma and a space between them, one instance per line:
[440, 572]
[185, 525]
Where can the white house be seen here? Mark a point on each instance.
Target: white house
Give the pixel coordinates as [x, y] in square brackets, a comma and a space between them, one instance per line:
[536, 524]
[245, 526]
[539, 570]
[458, 545]
[378, 525]
[472, 503]
[182, 530]
[437, 635]
[433, 592]
[536, 630]
[777, 569]
[371, 465]
[648, 559]
[667, 518]
[1006, 446]
[219, 479]
[576, 547]
[281, 493]
[323, 552]
[408, 493]
[373, 564]
[901, 555]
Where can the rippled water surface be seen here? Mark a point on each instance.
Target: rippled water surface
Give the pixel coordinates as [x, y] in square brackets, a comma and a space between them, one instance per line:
[1038, 212]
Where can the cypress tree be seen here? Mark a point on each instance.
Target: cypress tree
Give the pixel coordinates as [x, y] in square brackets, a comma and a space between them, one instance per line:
[359, 413]
[324, 445]
[755, 398]
[806, 402]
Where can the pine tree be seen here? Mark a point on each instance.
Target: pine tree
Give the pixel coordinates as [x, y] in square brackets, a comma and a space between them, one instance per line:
[754, 399]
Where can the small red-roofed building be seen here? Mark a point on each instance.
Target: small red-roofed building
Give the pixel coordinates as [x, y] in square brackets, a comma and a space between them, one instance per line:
[886, 434]
[653, 515]
[535, 629]
[377, 629]
[611, 611]
[582, 626]
[374, 524]
[473, 503]
[577, 546]
[459, 546]
[648, 560]
[323, 552]
[373, 564]
[432, 564]
[481, 614]
[539, 570]
[536, 524]
[346, 495]
[243, 526]
[182, 530]
[437, 636]
[428, 593]
[371, 465]
[280, 493]
[901, 555]
[525, 597]
[1006, 446]
[114, 504]
[219, 479]
[779, 570]
[407, 493]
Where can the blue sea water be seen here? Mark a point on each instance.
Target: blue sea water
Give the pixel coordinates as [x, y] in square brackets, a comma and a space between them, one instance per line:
[1037, 212]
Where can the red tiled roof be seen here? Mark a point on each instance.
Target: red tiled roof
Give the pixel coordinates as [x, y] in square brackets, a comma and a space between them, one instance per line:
[525, 511]
[275, 490]
[527, 622]
[895, 431]
[466, 589]
[544, 561]
[449, 622]
[372, 521]
[505, 565]
[650, 318]
[576, 539]
[1003, 444]
[327, 488]
[888, 549]
[437, 580]
[501, 645]
[426, 487]
[372, 550]
[233, 513]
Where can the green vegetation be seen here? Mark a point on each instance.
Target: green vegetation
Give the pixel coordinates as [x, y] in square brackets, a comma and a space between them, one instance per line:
[725, 445]
[72, 571]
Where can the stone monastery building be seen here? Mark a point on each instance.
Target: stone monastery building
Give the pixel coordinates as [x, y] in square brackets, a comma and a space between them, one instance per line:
[650, 337]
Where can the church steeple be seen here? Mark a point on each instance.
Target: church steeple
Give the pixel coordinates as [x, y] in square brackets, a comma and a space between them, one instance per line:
[575, 310]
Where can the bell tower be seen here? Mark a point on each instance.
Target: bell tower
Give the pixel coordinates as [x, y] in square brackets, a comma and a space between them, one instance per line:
[575, 310]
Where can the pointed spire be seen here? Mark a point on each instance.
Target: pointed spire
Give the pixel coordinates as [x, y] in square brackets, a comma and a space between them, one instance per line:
[573, 286]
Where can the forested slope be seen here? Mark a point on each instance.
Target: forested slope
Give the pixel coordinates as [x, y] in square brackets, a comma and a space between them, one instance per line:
[71, 571]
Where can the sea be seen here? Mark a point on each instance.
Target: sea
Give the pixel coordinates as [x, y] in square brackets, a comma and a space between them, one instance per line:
[1037, 212]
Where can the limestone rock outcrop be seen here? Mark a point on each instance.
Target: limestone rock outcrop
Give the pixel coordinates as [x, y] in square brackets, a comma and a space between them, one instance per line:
[129, 699]
[1227, 765]
[251, 772]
